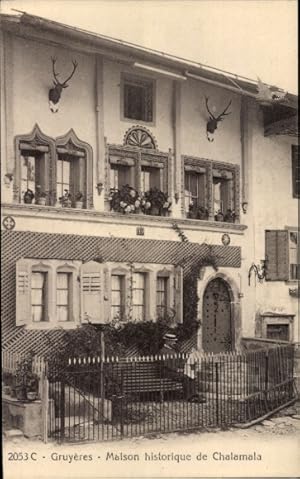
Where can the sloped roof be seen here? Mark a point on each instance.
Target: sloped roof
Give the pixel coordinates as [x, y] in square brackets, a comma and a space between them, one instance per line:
[111, 47]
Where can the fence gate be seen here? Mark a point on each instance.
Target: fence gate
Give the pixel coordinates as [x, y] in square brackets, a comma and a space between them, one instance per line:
[97, 400]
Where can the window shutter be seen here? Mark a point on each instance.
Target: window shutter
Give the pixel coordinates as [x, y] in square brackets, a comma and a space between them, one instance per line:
[92, 292]
[179, 293]
[23, 292]
[276, 243]
[296, 171]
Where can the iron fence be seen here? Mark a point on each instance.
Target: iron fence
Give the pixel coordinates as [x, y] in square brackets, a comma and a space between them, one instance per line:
[97, 398]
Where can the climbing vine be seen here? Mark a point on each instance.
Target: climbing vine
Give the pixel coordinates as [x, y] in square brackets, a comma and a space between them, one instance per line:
[180, 233]
[190, 294]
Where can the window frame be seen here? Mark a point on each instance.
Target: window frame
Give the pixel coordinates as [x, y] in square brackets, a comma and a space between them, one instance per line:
[69, 144]
[122, 276]
[208, 168]
[36, 141]
[130, 78]
[136, 158]
[51, 267]
[145, 289]
[293, 229]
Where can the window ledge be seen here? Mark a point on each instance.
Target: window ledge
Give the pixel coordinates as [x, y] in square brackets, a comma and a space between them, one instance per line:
[51, 326]
[71, 214]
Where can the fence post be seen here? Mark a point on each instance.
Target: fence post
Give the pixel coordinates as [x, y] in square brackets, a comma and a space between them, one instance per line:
[266, 376]
[217, 392]
[62, 407]
[45, 405]
[102, 355]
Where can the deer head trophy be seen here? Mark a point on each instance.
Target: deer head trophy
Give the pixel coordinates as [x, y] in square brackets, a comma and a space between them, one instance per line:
[55, 92]
[213, 121]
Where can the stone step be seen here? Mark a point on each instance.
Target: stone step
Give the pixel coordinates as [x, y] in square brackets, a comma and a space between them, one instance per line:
[12, 433]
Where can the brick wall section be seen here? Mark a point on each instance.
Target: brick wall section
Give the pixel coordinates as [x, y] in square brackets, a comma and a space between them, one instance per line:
[18, 244]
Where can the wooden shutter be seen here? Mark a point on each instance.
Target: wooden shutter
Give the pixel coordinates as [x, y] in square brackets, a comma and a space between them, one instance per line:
[92, 292]
[179, 293]
[277, 255]
[23, 292]
[296, 171]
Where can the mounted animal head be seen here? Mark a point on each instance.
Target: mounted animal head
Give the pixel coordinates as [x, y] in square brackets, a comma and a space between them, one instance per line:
[213, 121]
[55, 92]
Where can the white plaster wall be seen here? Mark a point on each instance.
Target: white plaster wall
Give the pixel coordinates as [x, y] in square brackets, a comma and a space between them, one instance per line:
[271, 206]
[32, 79]
[115, 126]
[227, 138]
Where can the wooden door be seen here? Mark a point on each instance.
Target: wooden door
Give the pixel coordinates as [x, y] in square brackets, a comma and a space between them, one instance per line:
[217, 331]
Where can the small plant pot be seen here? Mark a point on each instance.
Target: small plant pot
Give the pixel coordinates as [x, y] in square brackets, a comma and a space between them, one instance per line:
[20, 393]
[219, 218]
[41, 201]
[28, 200]
[154, 211]
[67, 204]
[31, 395]
[7, 390]
[79, 205]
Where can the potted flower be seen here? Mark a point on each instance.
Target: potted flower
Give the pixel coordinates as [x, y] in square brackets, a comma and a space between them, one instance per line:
[219, 216]
[229, 216]
[202, 213]
[79, 200]
[41, 199]
[28, 196]
[157, 202]
[197, 212]
[125, 200]
[66, 199]
[26, 382]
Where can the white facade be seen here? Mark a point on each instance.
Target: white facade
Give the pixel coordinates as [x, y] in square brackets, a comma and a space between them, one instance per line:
[92, 107]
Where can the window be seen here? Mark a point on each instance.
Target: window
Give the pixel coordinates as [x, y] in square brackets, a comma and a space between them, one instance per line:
[63, 296]
[296, 171]
[161, 295]
[151, 178]
[138, 296]
[138, 98]
[121, 175]
[38, 296]
[48, 167]
[117, 297]
[47, 293]
[211, 190]
[282, 255]
[194, 190]
[277, 326]
[33, 174]
[294, 273]
[62, 176]
[137, 168]
[222, 192]
[70, 174]
[278, 331]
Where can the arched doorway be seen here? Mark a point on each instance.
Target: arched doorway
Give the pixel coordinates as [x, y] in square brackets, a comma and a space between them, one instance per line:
[217, 329]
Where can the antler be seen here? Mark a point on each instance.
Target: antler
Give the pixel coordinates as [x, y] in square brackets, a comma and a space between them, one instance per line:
[53, 59]
[219, 118]
[75, 65]
[210, 113]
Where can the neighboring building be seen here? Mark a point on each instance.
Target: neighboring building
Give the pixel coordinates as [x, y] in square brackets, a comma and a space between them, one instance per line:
[139, 117]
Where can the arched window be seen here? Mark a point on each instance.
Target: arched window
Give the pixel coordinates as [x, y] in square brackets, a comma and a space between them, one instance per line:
[73, 169]
[34, 154]
[47, 168]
